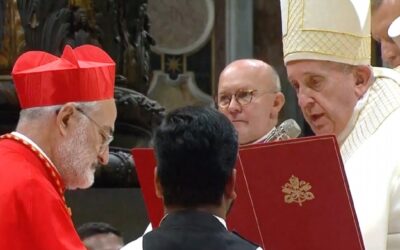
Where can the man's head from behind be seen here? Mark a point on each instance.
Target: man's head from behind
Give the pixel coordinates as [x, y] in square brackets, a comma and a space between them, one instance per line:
[68, 108]
[196, 152]
[327, 55]
[249, 95]
[100, 236]
[383, 14]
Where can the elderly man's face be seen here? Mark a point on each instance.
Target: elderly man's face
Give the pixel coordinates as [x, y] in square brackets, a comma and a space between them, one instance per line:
[381, 20]
[82, 150]
[326, 94]
[257, 118]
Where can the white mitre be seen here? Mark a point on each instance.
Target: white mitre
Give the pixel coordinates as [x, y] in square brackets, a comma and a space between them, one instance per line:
[331, 30]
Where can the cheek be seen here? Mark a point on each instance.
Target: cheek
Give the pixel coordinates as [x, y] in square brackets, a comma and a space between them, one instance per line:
[224, 111]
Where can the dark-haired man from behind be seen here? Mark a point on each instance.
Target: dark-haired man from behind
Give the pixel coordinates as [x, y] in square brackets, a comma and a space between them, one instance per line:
[196, 151]
[100, 236]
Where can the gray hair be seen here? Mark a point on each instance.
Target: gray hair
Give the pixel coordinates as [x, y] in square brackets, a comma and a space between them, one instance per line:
[30, 114]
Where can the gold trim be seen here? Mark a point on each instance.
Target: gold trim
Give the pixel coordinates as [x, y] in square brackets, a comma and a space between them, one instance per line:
[56, 178]
[325, 53]
[297, 191]
[336, 32]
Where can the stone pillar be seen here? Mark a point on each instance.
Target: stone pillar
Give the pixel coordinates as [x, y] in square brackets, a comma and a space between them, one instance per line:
[239, 29]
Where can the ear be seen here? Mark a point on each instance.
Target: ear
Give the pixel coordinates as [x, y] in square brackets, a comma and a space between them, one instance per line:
[64, 117]
[230, 192]
[279, 101]
[363, 76]
[157, 184]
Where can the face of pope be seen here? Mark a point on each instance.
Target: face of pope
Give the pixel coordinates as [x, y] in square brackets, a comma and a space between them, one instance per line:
[84, 146]
[327, 92]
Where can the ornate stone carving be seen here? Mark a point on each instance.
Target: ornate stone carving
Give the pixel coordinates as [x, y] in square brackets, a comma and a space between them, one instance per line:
[137, 117]
[177, 93]
[46, 24]
[11, 35]
[181, 26]
[120, 171]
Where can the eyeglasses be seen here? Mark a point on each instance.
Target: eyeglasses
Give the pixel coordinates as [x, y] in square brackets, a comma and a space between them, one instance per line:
[107, 136]
[242, 96]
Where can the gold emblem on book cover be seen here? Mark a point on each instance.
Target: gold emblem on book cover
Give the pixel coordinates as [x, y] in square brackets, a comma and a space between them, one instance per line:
[297, 191]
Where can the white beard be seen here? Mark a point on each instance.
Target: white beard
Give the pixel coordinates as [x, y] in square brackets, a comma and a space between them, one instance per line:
[77, 158]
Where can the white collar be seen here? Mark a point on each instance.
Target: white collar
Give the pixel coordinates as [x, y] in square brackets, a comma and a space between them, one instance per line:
[221, 220]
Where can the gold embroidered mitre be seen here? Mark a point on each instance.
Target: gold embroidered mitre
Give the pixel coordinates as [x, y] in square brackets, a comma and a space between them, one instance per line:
[331, 30]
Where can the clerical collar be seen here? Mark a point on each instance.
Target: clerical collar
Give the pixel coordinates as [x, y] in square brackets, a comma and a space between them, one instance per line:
[222, 221]
[25, 138]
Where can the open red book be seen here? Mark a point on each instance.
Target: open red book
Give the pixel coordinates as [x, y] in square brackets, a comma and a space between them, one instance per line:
[291, 195]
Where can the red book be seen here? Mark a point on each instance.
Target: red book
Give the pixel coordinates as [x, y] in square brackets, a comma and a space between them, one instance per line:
[290, 195]
[145, 162]
[298, 194]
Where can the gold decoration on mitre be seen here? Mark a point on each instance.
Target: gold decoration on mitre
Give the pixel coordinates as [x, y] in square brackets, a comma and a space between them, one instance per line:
[337, 31]
[297, 191]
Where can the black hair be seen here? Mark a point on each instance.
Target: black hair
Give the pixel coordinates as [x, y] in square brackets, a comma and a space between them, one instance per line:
[196, 149]
[93, 228]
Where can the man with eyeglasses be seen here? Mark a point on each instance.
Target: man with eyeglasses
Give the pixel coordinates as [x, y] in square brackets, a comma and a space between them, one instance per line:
[249, 95]
[66, 123]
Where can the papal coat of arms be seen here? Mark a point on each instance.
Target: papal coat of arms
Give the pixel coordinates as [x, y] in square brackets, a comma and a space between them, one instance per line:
[297, 191]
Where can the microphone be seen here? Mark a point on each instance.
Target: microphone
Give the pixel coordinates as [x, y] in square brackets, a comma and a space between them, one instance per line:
[287, 130]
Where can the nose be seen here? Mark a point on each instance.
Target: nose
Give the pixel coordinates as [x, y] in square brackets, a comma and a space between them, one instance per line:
[103, 156]
[304, 98]
[234, 106]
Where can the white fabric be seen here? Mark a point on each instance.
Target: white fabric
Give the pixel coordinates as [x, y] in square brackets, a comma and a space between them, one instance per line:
[371, 155]
[336, 31]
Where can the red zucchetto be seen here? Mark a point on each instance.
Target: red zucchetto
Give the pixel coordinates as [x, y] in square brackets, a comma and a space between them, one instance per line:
[83, 74]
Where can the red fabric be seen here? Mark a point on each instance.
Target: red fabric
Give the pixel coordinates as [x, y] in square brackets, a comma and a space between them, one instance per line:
[145, 163]
[32, 213]
[327, 221]
[83, 74]
[260, 214]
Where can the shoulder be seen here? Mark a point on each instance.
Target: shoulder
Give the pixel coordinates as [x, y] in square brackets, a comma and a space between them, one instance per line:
[134, 245]
[240, 239]
[386, 74]
[16, 158]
